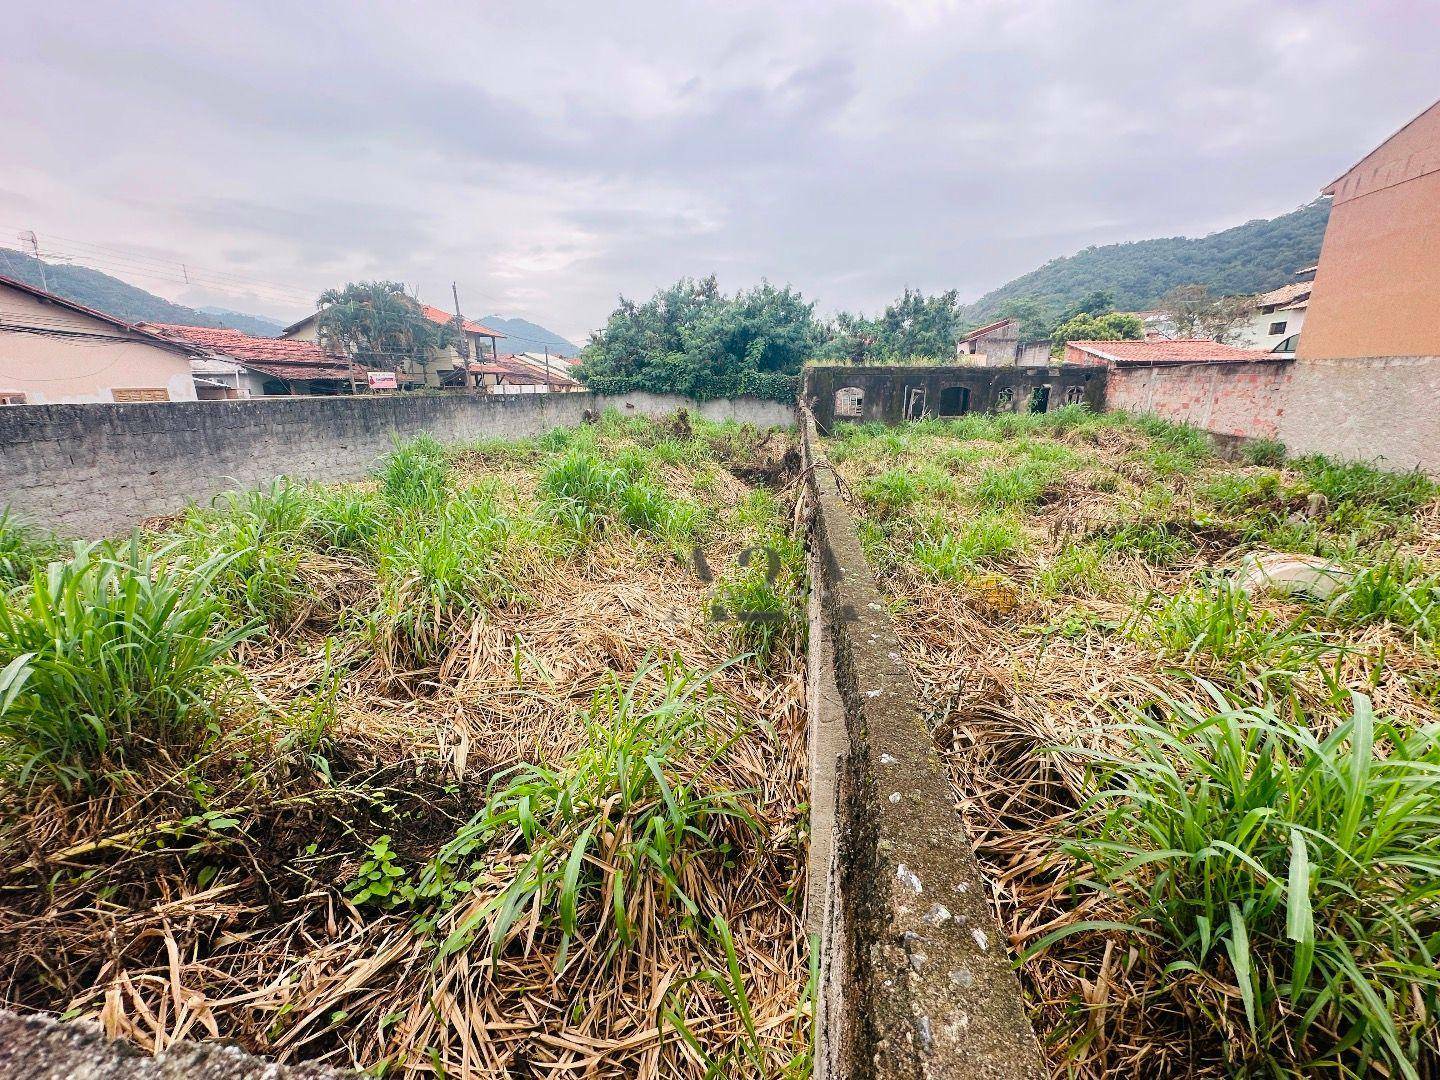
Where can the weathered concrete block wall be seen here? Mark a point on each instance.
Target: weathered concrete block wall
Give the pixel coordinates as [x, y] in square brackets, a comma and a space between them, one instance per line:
[918, 976]
[96, 470]
[40, 1048]
[1384, 409]
[949, 389]
[1228, 399]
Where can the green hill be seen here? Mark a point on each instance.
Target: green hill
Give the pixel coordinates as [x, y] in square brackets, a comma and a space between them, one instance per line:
[522, 335]
[1255, 257]
[115, 297]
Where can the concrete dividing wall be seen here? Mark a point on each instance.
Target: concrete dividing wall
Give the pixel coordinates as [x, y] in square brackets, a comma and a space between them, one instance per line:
[918, 980]
[97, 470]
[41, 1048]
[1385, 410]
[1246, 399]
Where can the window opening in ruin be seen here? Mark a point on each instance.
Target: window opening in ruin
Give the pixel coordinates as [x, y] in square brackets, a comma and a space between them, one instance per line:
[954, 401]
[849, 401]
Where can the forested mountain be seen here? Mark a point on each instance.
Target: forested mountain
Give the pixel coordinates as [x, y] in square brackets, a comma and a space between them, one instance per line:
[522, 335]
[114, 297]
[257, 325]
[1255, 257]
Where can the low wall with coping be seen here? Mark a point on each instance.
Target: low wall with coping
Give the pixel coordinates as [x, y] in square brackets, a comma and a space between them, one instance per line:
[1385, 410]
[918, 975]
[97, 470]
[42, 1048]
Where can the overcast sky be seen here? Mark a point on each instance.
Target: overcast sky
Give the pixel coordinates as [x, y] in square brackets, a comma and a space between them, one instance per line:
[549, 157]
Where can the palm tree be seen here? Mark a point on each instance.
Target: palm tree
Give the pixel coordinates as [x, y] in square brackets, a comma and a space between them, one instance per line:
[381, 326]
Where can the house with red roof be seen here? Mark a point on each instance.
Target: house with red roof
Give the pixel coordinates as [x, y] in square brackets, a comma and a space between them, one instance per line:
[228, 364]
[1159, 351]
[448, 368]
[54, 351]
[999, 344]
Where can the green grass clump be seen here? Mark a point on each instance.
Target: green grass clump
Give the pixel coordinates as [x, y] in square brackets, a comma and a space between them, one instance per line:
[895, 491]
[439, 570]
[1187, 442]
[1354, 482]
[622, 818]
[1399, 591]
[1298, 874]
[1156, 542]
[1263, 452]
[763, 603]
[416, 474]
[1074, 568]
[122, 657]
[954, 553]
[264, 532]
[345, 518]
[1221, 620]
[1245, 493]
[585, 493]
[23, 550]
[1018, 486]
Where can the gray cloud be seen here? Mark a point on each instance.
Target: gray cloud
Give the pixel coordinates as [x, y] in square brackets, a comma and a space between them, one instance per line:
[552, 156]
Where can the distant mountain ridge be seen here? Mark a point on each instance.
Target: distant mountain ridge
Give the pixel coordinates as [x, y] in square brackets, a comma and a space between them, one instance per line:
[522, 335]
[122, 300]
[1255, 257]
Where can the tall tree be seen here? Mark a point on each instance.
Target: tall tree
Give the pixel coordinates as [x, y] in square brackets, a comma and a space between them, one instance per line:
[917, 326]
[381, 326]
[1113, 326]
[912, 327]
[1198, 314]
[692, 339]
[1035, 321]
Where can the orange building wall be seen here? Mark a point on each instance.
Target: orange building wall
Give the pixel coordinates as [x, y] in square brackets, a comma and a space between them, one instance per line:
[1377, 289]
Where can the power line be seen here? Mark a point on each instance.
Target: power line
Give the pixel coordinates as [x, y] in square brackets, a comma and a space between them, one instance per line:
[178, 272]
[186, 267]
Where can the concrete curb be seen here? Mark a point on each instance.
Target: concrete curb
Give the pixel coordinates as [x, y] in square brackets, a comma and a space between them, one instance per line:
[42, 1048]
[922, 970]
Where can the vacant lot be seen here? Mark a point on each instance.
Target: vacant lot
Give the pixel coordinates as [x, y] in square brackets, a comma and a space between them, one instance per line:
[1211, 816]
[467, 771]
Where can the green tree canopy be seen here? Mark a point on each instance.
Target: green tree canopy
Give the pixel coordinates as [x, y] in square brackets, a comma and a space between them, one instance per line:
[382, 326]
[1114, 326]
[1035, 322]
[913, 327]
[1196, 313]
[692, 339]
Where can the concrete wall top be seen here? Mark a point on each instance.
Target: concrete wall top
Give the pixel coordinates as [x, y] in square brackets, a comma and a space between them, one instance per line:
[927, 968]
[97, 470]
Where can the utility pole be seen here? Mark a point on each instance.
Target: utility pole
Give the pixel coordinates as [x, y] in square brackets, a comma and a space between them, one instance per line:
[469, 379]
[34, 241]
[547, 369]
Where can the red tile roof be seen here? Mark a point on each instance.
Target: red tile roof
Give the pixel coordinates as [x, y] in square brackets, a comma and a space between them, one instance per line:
[982, 330]
[438, 315]
[283, 358]
[524, 367]
[140, 329]
[1176, 351]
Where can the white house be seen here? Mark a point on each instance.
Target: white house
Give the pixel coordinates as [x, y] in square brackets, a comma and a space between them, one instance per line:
[1276, 319]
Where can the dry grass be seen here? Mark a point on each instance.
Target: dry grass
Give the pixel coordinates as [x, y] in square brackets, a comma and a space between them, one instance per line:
[203, 890]
[1022, 644]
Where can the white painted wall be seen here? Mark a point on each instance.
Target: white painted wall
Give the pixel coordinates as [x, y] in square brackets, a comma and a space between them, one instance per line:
[1255, 334]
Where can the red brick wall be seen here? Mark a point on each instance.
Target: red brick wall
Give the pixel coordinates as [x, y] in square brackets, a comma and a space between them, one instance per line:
[1227, 398]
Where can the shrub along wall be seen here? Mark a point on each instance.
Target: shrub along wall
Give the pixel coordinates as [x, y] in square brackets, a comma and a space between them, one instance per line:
[97, 470]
